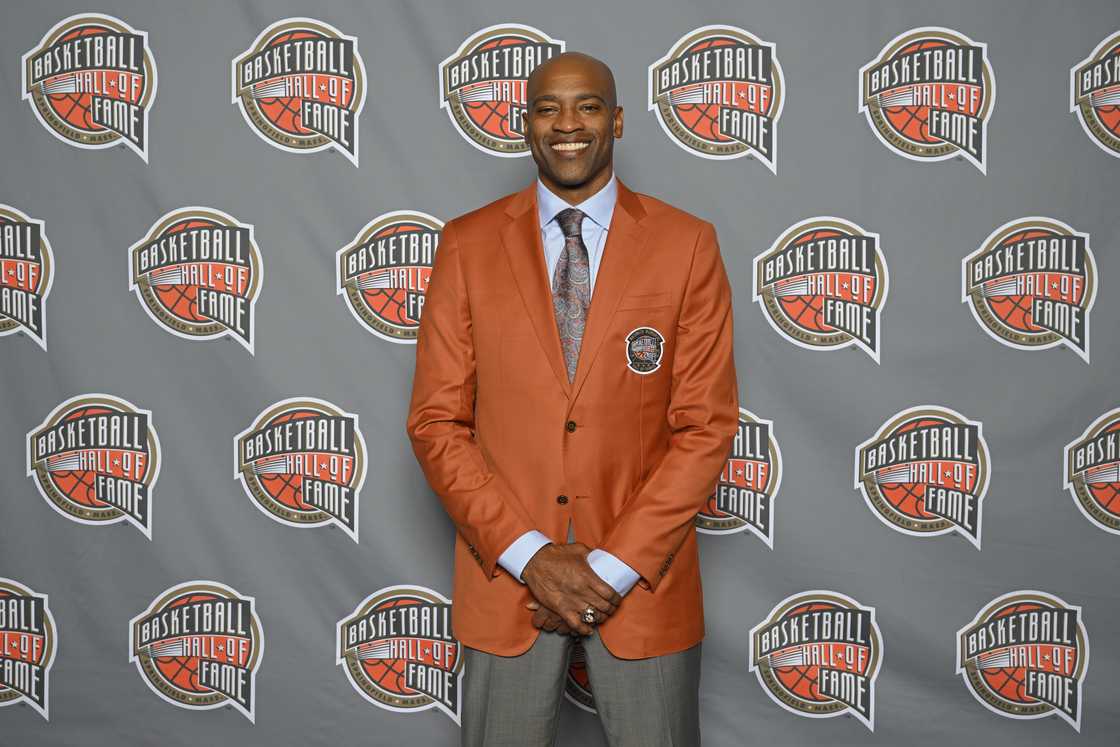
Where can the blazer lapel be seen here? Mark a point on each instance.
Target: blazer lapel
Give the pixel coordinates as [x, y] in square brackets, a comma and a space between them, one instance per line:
[625, 239]
[522, 240]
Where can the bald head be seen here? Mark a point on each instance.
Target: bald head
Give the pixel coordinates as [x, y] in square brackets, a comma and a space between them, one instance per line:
[573, 65]
[571, 122]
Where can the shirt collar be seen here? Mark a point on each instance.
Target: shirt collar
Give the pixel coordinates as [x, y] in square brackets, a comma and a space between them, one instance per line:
[599, 207]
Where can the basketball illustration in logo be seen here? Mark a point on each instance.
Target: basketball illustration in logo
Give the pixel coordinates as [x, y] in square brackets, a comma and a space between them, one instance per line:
[744, 496]
[301, 86]
[95, 460]
[302, 462]
[1091, 471]
[197, 274]
[718, 94]
[198, 646]
[925, 473]
[26, 274]
[384, 273]
[398, 651]
[482, 85]
[1024, 656]
[929, 94]
[91, 82]
[822, 285]
[818, 654]
[1031, 285]
[28, 647]
[1094, 90]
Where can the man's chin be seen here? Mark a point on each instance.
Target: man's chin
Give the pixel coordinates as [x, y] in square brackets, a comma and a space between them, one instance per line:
[569, 180]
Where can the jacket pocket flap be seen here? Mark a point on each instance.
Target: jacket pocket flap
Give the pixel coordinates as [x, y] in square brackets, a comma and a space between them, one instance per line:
[647, 301]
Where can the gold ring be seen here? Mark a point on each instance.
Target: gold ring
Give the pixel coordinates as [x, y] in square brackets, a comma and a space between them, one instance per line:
[589, 615]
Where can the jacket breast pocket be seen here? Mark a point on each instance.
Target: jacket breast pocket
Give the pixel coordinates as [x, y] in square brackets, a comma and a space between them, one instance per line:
[645, 301]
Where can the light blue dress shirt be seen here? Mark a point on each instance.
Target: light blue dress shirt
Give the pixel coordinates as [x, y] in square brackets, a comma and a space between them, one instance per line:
[598, 210]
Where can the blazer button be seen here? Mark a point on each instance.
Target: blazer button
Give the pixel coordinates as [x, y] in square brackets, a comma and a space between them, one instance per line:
[561, 499]
[571, 426]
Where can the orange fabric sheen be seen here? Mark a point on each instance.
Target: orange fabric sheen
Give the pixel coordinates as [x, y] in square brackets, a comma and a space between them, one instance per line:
[491, 402]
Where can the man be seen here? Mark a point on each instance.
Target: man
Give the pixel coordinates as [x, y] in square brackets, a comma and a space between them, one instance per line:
[575, 380]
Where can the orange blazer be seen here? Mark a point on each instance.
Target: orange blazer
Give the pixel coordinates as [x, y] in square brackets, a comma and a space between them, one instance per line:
[629, 451]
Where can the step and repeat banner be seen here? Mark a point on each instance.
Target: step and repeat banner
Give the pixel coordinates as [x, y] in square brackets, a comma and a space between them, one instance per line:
[217, 226]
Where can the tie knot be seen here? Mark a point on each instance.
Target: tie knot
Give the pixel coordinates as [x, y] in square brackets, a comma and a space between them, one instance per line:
[570, 220]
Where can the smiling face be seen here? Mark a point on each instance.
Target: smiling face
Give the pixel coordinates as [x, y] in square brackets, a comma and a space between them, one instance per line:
[572, 124]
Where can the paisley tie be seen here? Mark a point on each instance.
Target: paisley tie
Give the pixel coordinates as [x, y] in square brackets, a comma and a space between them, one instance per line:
[571, 287]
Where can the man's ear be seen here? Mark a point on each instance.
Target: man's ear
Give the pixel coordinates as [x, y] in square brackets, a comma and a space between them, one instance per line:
[618, 121]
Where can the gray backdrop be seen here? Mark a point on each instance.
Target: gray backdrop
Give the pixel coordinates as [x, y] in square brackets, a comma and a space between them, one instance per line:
[305, 207]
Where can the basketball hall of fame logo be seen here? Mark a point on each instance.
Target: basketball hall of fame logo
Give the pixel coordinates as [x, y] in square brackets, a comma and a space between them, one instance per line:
[301, 87]
[198, 646]
[398, 651]
[929, 94]
[925, 473]
[302, 462]
[822, 285]
[1094, 90]
[744, 495]
[645, 347]
[28, 646]
[26, 274]
[1024, 656]
[197, 274]
[818, 655]
[1031, 285]
[95, 460]
[482, 85]
[1091, 471]
[91, 82]
[718, 93]
[384, 272]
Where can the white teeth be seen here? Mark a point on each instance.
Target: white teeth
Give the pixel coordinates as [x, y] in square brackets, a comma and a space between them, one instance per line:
[569, 146]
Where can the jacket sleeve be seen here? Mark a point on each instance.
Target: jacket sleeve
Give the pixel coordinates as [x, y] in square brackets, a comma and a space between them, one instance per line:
[703, 416]
[441, 417]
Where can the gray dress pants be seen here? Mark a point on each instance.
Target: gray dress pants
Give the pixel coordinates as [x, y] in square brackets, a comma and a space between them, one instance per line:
[644, 702]
[515, 700]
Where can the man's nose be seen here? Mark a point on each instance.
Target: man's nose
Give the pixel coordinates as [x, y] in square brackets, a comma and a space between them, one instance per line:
[567, 121]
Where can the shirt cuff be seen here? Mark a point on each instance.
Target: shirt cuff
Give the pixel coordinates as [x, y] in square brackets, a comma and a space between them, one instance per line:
[520, 551]
[612, 570]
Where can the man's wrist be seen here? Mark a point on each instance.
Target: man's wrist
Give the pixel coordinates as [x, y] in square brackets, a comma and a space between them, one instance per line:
[525, 569]
[617, 574]
[514, 557]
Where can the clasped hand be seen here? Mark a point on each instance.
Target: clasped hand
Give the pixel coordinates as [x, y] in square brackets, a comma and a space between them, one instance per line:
[563, 586]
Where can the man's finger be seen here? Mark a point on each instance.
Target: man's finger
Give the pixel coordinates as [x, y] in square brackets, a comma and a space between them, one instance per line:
[604, 607]
[602, 588]
[575, 623]
[594, 601]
